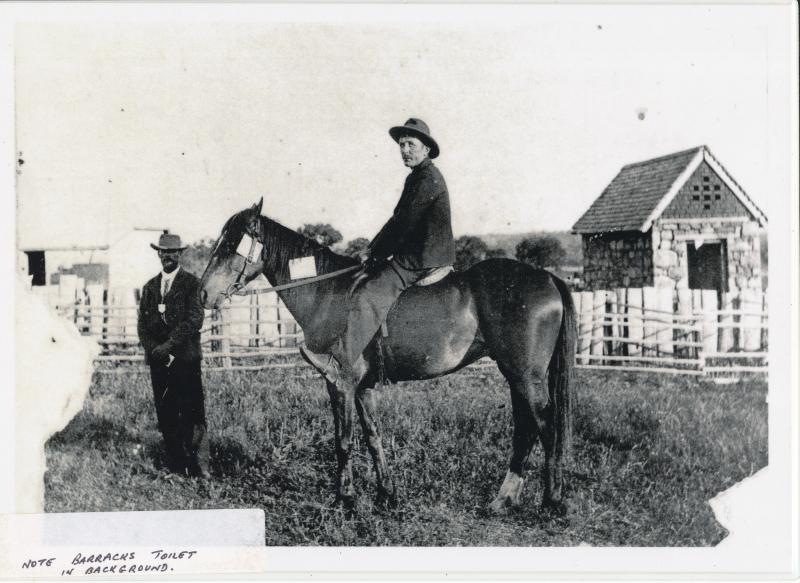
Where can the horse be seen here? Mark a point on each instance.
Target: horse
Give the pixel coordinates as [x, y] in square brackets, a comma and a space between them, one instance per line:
[521, 317]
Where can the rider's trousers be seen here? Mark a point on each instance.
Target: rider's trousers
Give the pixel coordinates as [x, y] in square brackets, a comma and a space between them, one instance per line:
[369, 307]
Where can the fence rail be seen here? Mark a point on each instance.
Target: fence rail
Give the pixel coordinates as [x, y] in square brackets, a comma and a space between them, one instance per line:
[683, 331]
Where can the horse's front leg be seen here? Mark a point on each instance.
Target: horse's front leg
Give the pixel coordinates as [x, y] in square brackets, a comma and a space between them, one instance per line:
[342, 398]
[367, 413]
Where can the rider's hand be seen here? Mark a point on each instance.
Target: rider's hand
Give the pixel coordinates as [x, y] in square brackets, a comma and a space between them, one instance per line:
[371, 263]
[160, 354]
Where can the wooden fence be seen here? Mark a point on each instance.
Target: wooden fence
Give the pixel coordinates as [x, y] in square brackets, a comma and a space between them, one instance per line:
[683, 331]
[687, 331]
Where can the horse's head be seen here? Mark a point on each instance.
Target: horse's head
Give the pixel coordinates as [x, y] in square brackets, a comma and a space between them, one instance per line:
[237, 257]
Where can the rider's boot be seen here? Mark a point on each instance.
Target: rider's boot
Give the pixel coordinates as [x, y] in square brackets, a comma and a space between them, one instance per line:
[324, 363]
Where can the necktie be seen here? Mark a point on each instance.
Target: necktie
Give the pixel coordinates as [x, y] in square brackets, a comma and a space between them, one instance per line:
[164, 286]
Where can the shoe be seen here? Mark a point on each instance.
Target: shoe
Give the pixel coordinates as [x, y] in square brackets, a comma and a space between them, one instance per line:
[196, 470]
[324, 363]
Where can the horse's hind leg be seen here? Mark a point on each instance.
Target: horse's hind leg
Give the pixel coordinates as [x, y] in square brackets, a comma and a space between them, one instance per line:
[535, 391]
[532, 413]
[365, 405]
[525, 430]
[342, 404]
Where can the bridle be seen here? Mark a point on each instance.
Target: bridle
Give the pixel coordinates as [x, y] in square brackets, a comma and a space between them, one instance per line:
[255, 251]
[252, 249]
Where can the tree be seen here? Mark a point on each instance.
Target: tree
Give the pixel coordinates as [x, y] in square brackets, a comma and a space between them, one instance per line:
[322, 233]
[469, 251]
[196, 256]
[356, 247]
[543, 252]
[496, 252]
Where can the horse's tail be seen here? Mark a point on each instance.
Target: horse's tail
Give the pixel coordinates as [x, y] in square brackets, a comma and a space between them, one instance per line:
[562, 365]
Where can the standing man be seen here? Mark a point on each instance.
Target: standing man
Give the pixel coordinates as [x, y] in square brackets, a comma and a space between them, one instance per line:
[416, 239]
[170, 318]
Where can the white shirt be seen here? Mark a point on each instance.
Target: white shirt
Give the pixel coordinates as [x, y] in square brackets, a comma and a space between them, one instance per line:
[166, 281]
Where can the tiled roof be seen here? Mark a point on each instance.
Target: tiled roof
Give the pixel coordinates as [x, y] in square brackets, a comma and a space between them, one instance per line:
[633, 195]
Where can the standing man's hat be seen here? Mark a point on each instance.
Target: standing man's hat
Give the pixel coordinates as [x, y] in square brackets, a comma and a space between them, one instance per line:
[419, 129]
[168, 242]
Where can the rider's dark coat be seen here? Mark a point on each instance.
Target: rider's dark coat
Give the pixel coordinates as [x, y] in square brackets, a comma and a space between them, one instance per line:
[419, 233]
[419, 236]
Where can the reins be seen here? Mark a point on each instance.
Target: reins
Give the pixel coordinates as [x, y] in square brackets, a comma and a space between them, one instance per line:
[277, 288]
[256, 249]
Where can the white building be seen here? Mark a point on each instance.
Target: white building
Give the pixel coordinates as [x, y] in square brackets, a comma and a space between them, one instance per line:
[131, 260]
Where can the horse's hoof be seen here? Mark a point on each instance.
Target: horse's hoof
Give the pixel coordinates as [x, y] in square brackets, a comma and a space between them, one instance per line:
[555, 507]
[346, 501]
[386, 500]
[500, 506]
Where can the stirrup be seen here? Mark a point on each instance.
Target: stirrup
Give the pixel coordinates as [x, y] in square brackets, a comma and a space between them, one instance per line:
[330, 369]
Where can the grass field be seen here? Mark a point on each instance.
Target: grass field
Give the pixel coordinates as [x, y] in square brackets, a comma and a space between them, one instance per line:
[650, 450]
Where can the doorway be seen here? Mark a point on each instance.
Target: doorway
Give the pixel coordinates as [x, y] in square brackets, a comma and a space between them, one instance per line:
[36, 267]
[708, 266]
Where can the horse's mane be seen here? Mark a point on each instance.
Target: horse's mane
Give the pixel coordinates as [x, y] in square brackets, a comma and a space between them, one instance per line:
[285, 244]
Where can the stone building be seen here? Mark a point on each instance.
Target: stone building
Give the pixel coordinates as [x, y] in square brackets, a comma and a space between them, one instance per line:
[678, 221]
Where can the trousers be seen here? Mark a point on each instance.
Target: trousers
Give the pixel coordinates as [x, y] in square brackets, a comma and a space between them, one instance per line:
[369, 307]
[181, 412]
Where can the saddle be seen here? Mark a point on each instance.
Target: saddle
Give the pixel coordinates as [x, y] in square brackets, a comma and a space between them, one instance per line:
[435, 275]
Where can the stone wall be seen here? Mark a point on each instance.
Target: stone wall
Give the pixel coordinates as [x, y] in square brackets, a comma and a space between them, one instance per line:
[670, 255]
[621, 259]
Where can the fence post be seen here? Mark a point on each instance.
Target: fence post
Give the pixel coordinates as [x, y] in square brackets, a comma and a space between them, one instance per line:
[610, 323]
[254, 341]
[225, 331]
[726, 322]
[683, 333]
[598, 317]
[622, 323]
[114, 328]
[650, 328]
[576, 302]
[130, 332]
[635, 329]
[666, 305]
[710, 326]
[95, 293]
[585, 326]
[751, 319]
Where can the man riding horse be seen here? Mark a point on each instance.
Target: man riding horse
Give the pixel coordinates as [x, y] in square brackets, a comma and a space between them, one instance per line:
[415, 240]
[522, 318]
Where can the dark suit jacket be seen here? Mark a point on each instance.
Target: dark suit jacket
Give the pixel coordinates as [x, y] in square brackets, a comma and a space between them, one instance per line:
[419, 234]
[180, 326]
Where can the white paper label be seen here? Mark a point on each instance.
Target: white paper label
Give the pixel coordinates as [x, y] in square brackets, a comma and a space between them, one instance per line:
[249, 249]
[302, 267]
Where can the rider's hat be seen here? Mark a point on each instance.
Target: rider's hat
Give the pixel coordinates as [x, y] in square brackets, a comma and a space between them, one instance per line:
[419, 129]
[168, 242]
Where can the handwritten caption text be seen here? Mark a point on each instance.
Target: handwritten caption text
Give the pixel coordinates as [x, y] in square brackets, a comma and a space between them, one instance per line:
[121, 563]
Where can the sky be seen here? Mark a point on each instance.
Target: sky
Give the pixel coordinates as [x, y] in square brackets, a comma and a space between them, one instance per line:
[160, 123]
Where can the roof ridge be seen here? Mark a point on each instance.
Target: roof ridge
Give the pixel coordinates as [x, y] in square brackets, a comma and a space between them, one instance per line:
[665, 157]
